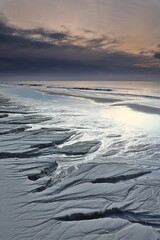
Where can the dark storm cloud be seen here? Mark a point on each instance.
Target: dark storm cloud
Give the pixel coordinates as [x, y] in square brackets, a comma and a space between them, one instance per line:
[157, 55]
[28, 37]
[103, 41]
[39, 50]
[11, 38]
[97, 42]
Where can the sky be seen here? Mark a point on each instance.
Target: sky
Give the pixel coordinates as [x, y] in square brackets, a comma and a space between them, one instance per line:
[73, 37]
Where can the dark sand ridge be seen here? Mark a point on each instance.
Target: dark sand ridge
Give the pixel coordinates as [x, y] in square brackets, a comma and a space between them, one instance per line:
[140, 108]
[96, 99]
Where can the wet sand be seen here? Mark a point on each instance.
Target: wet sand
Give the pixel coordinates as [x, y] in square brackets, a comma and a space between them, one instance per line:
[133, 106]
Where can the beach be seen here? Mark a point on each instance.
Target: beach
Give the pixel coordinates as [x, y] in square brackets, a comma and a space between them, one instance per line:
[80, 160]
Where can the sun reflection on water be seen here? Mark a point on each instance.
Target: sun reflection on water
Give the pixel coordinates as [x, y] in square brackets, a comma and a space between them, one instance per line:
[133, 119]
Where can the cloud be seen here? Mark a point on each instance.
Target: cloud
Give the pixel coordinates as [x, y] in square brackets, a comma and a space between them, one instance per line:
[157, 55]
[39, 50]
[11, 38]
